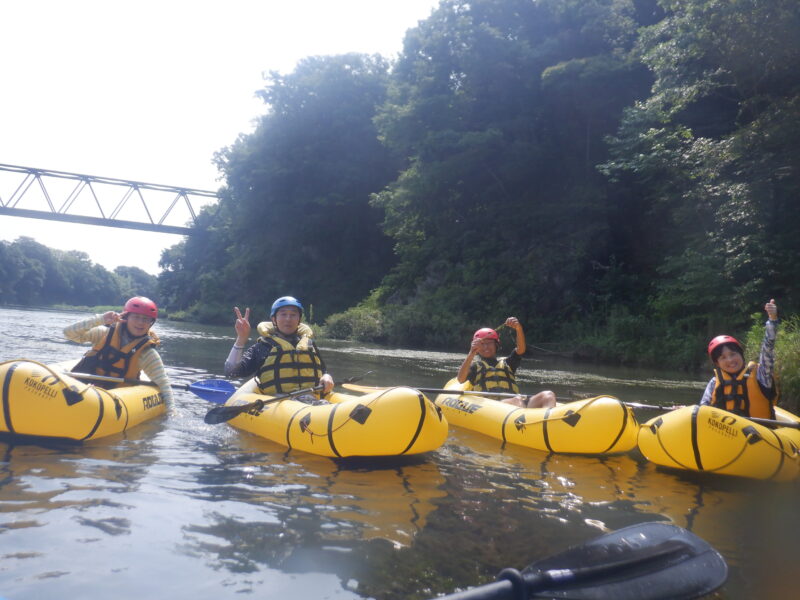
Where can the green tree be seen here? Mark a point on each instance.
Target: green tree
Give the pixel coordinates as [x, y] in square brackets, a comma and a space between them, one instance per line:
[609, 171]
[36, 274]
[200, 273]
[708, 163]
[46, 276]
[297, 189]
[29, 286]
[136, 282]
[500, 209]
[12, 267]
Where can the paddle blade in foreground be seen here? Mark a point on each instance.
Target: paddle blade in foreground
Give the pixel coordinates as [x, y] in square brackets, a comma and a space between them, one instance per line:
[214, 390]
[223, 414]
[649, 561]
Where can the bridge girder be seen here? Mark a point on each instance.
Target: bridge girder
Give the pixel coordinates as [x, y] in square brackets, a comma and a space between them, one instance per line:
[88, 185]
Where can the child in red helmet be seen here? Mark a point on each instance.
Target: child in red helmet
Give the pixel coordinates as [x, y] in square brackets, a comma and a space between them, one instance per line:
[123, 344]
[733, 387]
[490, 374]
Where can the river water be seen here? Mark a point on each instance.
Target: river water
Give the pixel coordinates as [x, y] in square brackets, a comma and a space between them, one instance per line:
[178, 509]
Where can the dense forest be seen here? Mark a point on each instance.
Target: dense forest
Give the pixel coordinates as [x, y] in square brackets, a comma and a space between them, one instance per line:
[33, 274]
[618, 174]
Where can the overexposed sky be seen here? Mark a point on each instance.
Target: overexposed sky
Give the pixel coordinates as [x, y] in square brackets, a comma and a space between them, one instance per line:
[149, 90]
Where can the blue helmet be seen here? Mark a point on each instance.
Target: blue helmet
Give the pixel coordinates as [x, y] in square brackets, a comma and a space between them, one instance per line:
[285, 301]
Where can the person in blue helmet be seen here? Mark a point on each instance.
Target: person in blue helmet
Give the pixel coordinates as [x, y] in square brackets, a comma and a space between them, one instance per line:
[284, 358]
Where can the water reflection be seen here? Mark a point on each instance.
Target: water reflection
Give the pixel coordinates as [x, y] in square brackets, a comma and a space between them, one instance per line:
[302, 514]
[504, 508]
[555, 486]
[45, 475]
[57, 498]
[309, 498]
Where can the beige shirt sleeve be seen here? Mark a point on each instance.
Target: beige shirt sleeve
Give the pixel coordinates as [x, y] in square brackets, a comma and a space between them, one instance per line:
[90, 330]
[152, 365]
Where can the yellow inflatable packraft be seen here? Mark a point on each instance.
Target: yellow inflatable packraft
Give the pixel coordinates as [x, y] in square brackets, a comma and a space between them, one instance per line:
[601, 425]
[712, 440]
[392, 422]
[45, 401]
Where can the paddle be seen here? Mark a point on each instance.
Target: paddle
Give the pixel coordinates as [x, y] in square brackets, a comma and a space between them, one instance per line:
[366, 388]
[642, 562]
[221, 414]
[214, 390]
[770, 422]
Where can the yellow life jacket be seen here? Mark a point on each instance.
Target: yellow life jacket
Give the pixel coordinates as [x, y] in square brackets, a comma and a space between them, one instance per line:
[109, 358]
[742, 394]
[288, 367]
[495, 378]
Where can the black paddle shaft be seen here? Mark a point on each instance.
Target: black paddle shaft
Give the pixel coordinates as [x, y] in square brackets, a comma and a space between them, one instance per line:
[514, 585]
[650, 561]
[91, 377]
[222, 414]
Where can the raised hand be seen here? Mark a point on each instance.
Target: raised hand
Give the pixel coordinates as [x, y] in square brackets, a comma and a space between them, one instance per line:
[242, 325]
[772, 310]
[111, 317]
[473, 346]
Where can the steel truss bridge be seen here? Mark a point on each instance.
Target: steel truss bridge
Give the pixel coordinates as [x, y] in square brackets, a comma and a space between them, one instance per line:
[92, 200]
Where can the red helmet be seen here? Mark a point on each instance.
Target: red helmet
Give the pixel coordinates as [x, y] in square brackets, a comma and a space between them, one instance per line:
[723, 339]
[486, 333]
[141, 306]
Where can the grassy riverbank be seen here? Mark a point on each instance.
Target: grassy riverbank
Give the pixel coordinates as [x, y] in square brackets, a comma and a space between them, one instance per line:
[623, 339]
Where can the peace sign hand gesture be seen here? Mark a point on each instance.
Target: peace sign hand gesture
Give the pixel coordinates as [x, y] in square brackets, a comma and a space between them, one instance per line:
[242, 326]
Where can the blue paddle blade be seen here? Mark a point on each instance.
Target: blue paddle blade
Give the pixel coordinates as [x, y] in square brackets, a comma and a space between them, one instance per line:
[213, 390]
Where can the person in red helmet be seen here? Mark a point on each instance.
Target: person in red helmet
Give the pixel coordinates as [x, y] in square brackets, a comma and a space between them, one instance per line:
[123, 344]
[490, 374]
[733, 388]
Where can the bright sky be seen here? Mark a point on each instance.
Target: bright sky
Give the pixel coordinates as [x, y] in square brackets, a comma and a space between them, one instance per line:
[149, 90]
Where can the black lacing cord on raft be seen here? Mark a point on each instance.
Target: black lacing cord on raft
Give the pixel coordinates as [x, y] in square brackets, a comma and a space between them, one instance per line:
[348, 419]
